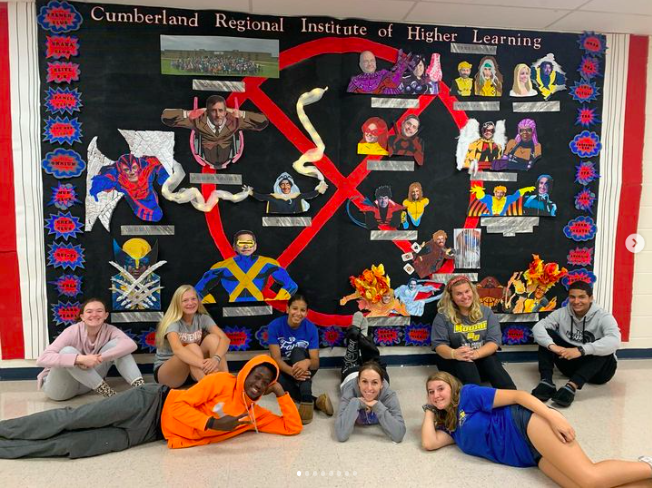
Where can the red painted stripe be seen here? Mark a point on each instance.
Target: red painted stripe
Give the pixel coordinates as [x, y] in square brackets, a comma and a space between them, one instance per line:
[11, 327]
[632, 178]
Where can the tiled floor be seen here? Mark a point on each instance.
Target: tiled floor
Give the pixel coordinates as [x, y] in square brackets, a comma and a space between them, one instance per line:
[611, 421]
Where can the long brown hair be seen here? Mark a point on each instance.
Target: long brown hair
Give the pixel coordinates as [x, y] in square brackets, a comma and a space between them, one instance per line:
[447, 418]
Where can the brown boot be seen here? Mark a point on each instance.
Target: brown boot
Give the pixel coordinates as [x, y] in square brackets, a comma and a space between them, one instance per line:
[105, 390]
[306, 412]
[324, 404]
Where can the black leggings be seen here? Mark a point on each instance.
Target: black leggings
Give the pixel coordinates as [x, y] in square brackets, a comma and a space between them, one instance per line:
[300, 391]
[359, 351]
[475, 372]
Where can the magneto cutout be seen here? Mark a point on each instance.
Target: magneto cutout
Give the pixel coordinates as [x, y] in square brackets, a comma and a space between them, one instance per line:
[66, 313]
[522, 152]
[467, 248]
[432, 255]
[525, 291]
[62, 72]
[548, 76]
[540, 204]
[382, 213]
[584, 91]
[136, 286]
[581, 228]
[488, 80]
[63, 100]
[463, 85]
[63, 225]
[522, 84]
[58, 47]
[580, 256]
[373, 81]
[586, 173]
[247, 277]
[62, 130]
[405, 141]
[416, 294]
[415, 206]
[586, 144]
[331, 336]
[63, 163]
[374, 294]
[68, 285]
[66, 256]
[240, 338]
[422, 78]
[589, 68]
[478, 147]
[500, 204]
[584, 200]
[490, 292]
[374, 137]
[64, 196]
[587, 116]
[581, 274]
[417, 335]
[592, 43]
[59, 17]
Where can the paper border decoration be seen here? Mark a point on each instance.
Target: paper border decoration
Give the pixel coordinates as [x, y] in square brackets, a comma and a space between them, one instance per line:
[63, 72]
[517, 335]
[331, 336]
[586, 173]
[388, 336]
[587, 116]
[57, 47]
[62, 130]
[592, 43]
[262, 336]
[584, 91]
[63, 163]
[63, 100]
[240, 338]
[66, 313]
[417, 335]
[586, 144]
[581, 274]
[68, 285]
[584, 200]
[59, 17]
[66, 256]
[64, 196]
[581, 228]
[589, 68]
[147, 340]
[63, 225]
[580, 256]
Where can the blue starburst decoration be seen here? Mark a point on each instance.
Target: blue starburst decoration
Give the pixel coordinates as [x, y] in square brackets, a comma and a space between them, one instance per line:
[62, 130]
[63, 225]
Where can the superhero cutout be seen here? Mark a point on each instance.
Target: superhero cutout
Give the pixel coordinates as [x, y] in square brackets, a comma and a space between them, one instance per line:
[488, 80]
[500, 204]
[540, 204]
[467, 248]
[490, 292]
[247, 277]
[521, 152]
[384, 82]
[383, 213]
[287, 198]
[216, 139]
[415, 296]
[422, 80]
[405, 142]
[374, 137]
[463, 86]
[374, 294]
[477, 147]
[548, 76]
[432, 255]
[134, 178]
[415, 206]
[136, 286]
[529, 296]
[522, 86]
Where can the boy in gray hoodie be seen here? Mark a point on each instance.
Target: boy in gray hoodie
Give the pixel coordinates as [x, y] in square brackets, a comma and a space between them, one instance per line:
[581, 340]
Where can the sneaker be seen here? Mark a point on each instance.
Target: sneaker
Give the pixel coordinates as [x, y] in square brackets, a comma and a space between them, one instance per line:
[306, 412]
[360, 321]
[323, 404]
[564, 396]
[138, 382]
[544, 391]
[646, 459]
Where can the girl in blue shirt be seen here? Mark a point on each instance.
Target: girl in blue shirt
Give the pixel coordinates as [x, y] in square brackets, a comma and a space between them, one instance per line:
[512, 427]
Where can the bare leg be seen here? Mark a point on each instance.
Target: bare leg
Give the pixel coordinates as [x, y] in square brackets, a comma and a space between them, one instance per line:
[209, 348]
[195, 372]
[173, 372]
[555, 475]
[570, 460]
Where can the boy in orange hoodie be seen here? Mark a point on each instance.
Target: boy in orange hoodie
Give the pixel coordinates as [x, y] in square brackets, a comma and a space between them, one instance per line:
[218, 407]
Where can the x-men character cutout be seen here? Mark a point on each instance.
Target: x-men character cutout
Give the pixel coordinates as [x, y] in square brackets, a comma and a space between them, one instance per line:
[422, 79]
[247, 277]
[490, 292]
[217, 130]
[374, 294]
[521, 152]
[525, 292]
[134, 178]
[500, 204]
[467, 248]
[287, 198]
[548, 76]
[477, 147]
[136, 286]
[385, 82]
[374, 137]
[383, 213]
[522, 86]
[415, 296]
[540, 203]
[432, 255]
[488, 80]
[415, 205]
[405, 141]
[463, 85]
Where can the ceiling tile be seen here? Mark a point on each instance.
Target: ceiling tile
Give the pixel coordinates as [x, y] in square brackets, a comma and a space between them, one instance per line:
[639, 7]
[604, 22]
[393, 10]
[482, 15]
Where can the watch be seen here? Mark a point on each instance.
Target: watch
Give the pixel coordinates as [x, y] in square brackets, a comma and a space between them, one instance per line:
[427, 406]
[582, 351]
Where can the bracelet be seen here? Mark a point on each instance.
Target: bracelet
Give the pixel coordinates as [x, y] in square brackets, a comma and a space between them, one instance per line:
[452, 353]
[219, 359]
[427, 406]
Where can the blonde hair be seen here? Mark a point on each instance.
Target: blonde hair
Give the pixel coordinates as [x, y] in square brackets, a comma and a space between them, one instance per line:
[175, 312]
[516, 87]
[447, 418]
[449, 308]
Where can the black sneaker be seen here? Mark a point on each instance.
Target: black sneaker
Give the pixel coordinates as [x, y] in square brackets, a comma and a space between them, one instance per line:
[544, 391]
[564, 396]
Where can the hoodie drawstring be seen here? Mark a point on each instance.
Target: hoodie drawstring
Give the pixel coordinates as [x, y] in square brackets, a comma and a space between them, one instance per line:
[252, 413]
[583, 329]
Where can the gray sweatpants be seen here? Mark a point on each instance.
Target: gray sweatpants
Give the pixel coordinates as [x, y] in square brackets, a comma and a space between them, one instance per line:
[113, 424]
[65, 383]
